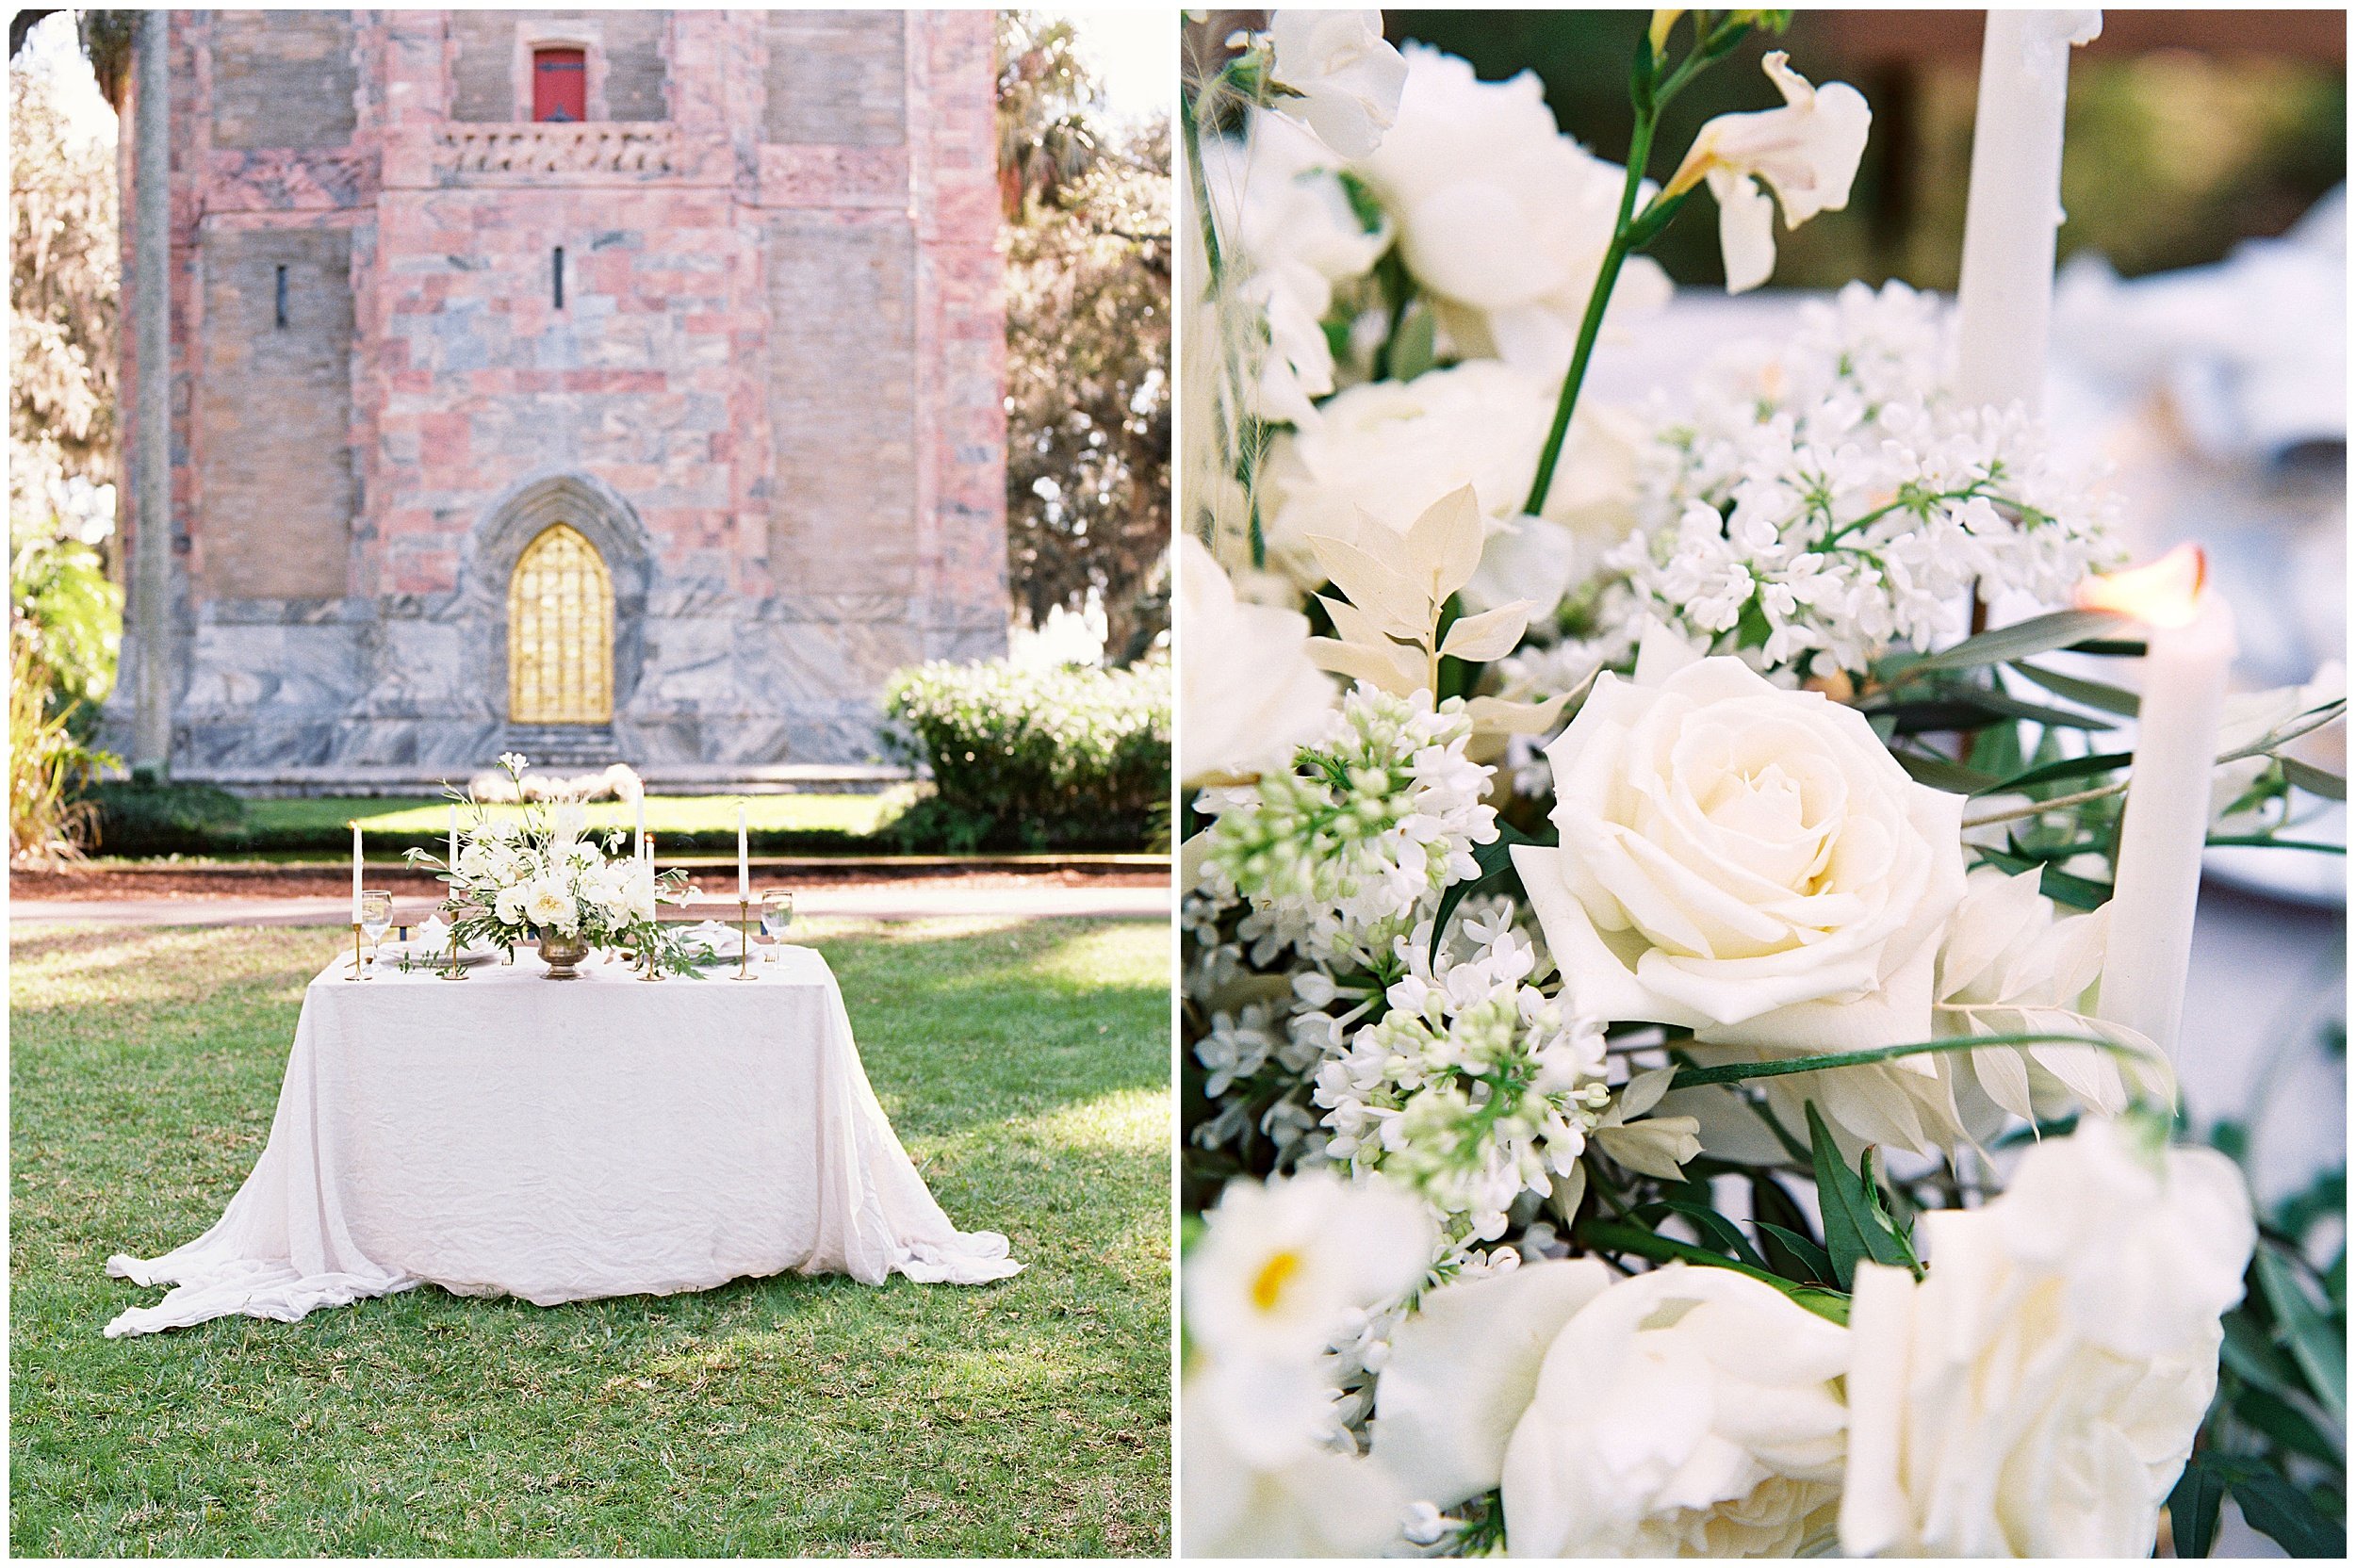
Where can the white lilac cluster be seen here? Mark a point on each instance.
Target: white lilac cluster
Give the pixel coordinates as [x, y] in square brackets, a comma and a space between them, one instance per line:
[1811, 507]
[1335, 857]
[1474, 1087]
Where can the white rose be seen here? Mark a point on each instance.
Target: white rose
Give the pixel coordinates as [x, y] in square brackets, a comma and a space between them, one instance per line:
[2038, 1393]
[1751, 863]
[2009, 965]
[1247, 694]
[509, 906]
[1687, 1411]
[1500, 216]
[1384, 452]
[547, 906]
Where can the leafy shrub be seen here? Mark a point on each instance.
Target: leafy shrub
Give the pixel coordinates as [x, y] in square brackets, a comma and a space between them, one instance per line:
[47, 763]
[147, 815]
[1034, 759]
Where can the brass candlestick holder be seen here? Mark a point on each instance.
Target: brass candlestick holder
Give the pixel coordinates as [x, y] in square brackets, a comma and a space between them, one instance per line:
[454, 969]
[647, 967]
[358, 972]
[744, 942]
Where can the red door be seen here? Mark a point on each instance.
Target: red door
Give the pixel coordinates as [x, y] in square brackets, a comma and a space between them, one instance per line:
[560, 85]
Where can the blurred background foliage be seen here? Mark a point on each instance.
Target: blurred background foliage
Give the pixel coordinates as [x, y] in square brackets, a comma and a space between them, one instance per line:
[1085, 197]
[2189, 131]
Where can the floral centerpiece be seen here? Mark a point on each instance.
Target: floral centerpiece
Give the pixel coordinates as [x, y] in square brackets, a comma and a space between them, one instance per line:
[1652, 1084]
[533, 874]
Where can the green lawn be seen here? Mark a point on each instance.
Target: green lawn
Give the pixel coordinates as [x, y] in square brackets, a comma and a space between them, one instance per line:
[664, 813]
[1026, 1068]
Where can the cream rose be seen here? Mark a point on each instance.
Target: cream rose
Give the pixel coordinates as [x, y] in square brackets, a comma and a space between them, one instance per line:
[1687, 1411]
[1752, 864]
[2037, 1394]
[1247, 694]
[1503, 218]
[1384, 452]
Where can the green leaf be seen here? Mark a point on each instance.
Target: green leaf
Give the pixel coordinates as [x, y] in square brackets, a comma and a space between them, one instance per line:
[2068, 767]
[2094, 693]
[1814, 1262]
[2040, 634]
[1942, 773]
[1853, 1229]
[2287, 1424]
[2250, 1354]
[2281, 1514]
[2306, 1333]
[1414, 350]
[2192, 1506]
[1495, 860]
[1713, 1226]
[2314, 781]
[1978, 707]
[2062, 887]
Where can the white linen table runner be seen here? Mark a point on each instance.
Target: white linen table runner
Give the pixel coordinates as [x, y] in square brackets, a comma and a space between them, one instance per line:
[509, 1134]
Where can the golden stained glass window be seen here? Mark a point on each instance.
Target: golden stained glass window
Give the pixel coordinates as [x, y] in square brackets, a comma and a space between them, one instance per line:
[560, 632]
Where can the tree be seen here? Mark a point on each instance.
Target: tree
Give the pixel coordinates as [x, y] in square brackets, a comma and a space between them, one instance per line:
[1088, 342]
[65, 275]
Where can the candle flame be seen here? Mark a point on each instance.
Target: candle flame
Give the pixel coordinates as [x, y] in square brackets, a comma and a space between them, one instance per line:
[2163, 592]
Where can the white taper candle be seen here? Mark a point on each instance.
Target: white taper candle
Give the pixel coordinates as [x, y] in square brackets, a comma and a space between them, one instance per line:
[454, 841]
[639, 803]
[2006, 296]
[2190, 652]
[355, 872]
[744, 860]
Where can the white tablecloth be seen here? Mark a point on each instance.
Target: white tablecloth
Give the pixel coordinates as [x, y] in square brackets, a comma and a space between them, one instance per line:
[510, 1135]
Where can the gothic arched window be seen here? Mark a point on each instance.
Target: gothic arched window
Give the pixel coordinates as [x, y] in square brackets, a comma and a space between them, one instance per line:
[560, 632]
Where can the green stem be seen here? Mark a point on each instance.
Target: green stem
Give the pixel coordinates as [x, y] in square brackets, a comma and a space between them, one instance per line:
[1735, 1072]
[1591, 326]
[1607, 278]
[1193, 133]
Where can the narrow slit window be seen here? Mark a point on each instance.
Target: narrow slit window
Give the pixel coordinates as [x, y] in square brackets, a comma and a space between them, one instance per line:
[280, 311]
[556, 275]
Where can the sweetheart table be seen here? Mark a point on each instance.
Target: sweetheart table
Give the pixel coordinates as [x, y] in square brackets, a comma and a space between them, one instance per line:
[558, 1142]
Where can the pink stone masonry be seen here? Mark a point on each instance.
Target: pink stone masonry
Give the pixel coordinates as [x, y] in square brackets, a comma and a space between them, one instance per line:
[770, 391]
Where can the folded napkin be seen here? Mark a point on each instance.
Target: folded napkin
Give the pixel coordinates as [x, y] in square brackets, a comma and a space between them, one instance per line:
[432, 940]
[725, 941]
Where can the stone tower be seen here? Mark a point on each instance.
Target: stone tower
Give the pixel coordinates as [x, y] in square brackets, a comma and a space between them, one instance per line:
[603, 384]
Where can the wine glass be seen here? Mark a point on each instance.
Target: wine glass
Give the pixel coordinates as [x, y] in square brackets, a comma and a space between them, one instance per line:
[376, 918]
[777, 913]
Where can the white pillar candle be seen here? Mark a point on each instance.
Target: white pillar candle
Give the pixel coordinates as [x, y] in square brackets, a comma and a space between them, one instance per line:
[744, 860]
[2190, 652]
[355, 872]
[2014, 207]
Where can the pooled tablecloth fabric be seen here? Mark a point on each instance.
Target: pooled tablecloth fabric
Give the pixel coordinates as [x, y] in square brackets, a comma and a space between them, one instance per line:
[562, 1142]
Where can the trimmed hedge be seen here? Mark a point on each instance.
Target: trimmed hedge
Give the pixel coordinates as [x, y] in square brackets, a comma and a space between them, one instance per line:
[146, 819]
[147, 815]
[1033, 760]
